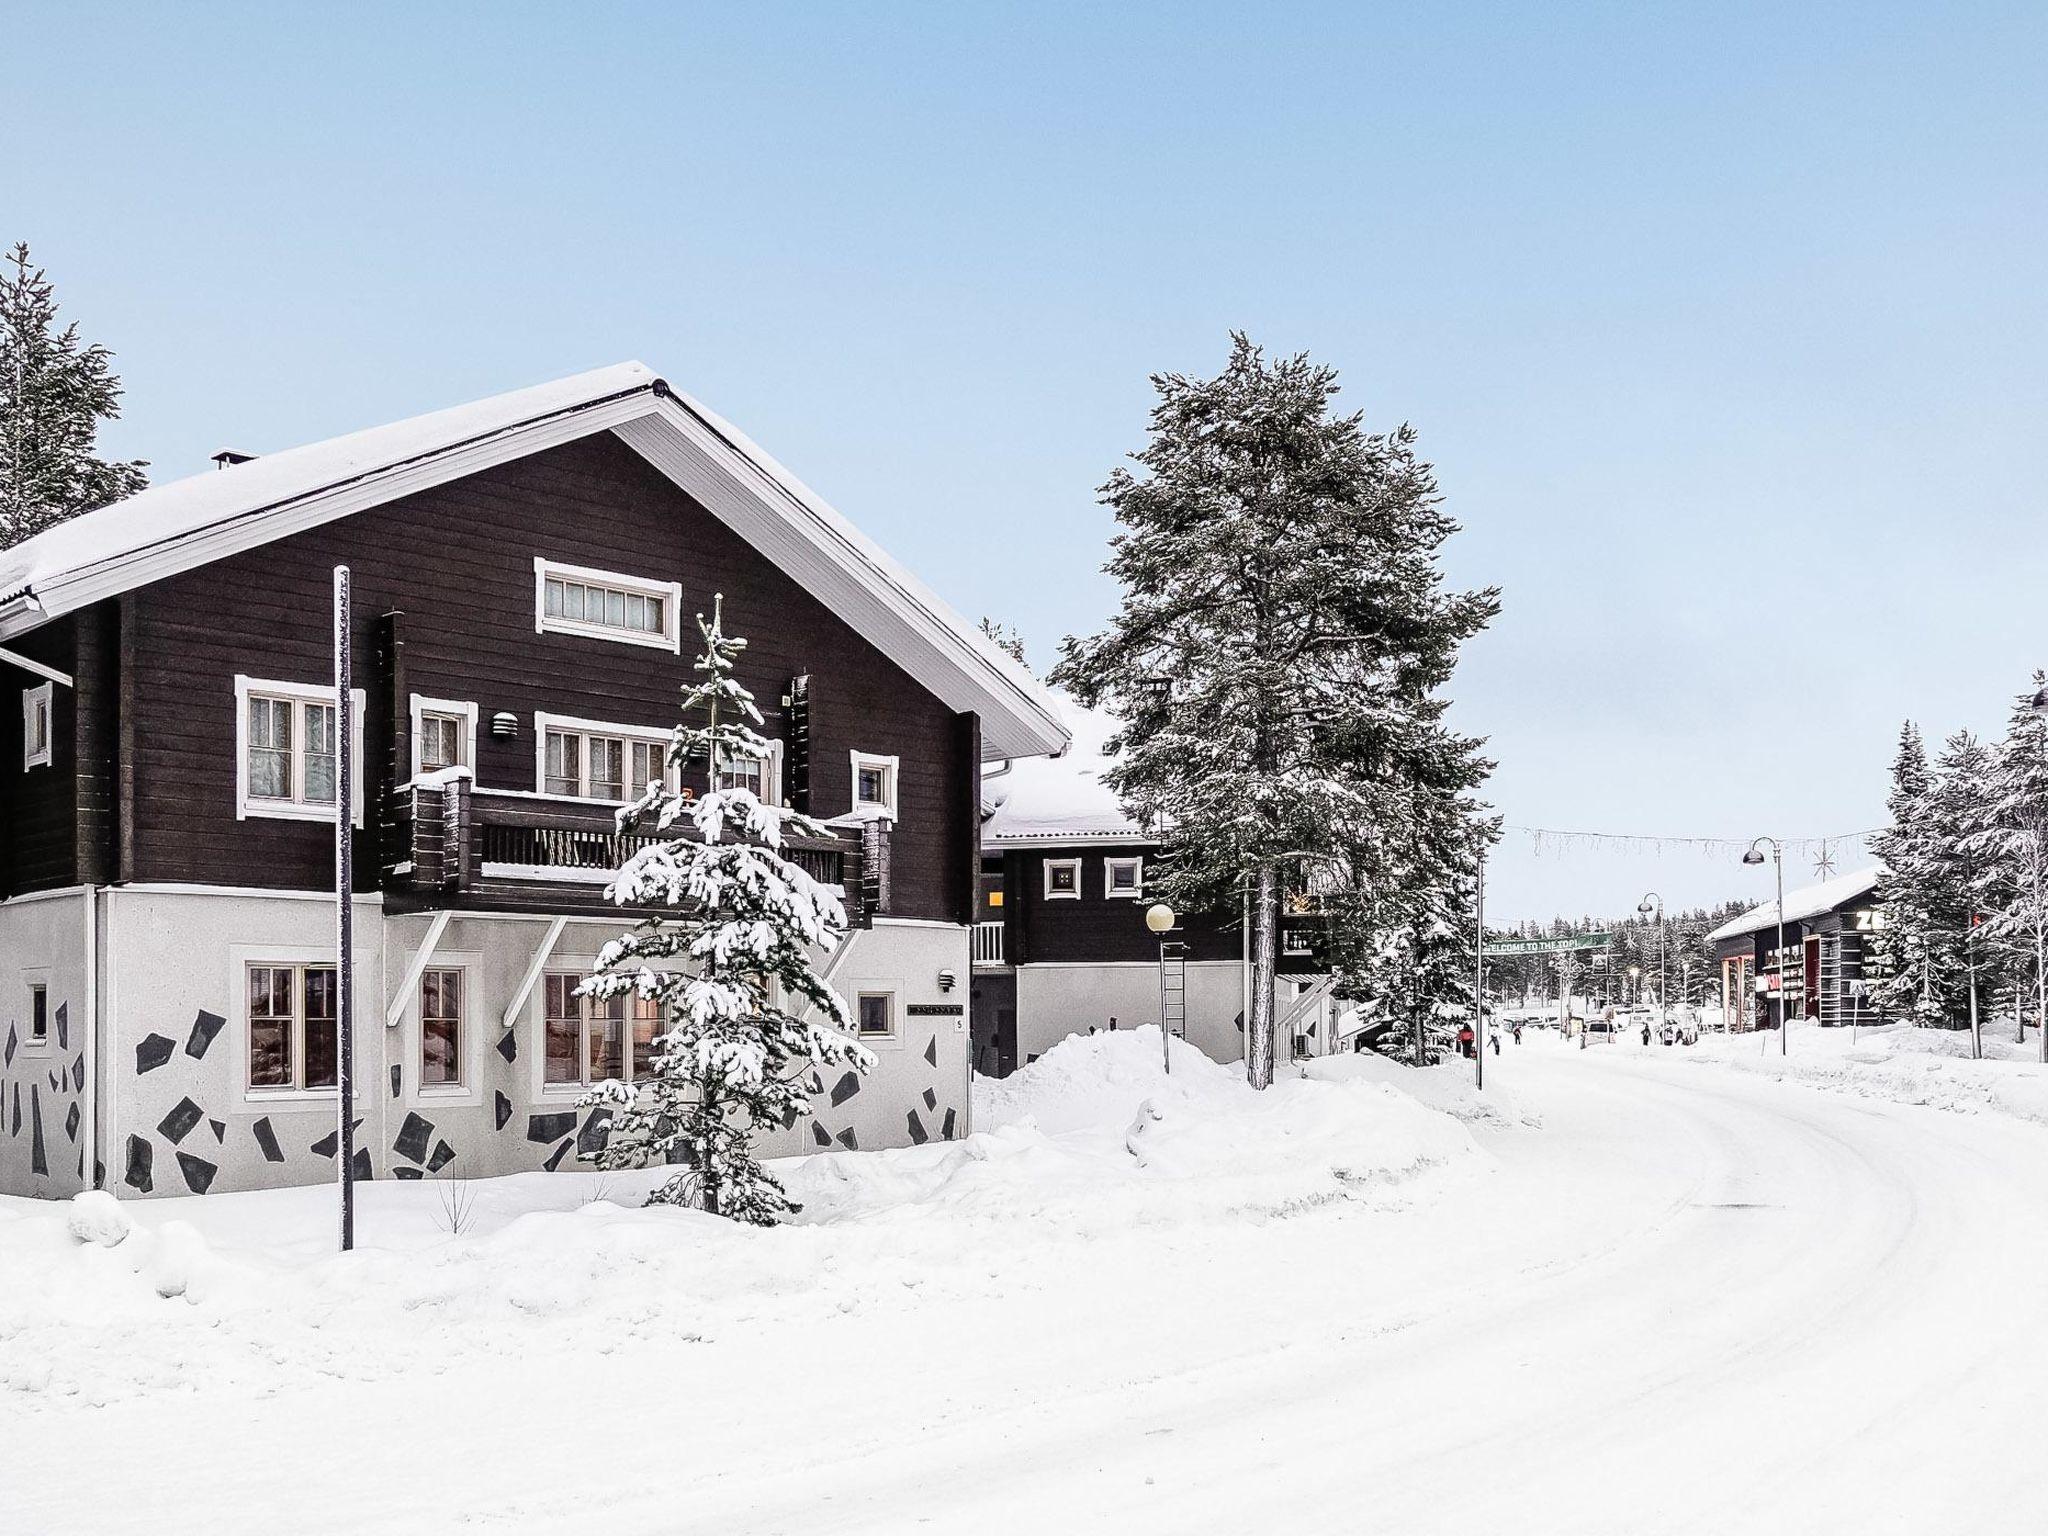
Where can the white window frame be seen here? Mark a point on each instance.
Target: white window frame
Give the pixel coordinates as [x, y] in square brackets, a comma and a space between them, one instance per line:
[893, 766]
[669, 592]
[889, 994]
[35, 702]
[1136, 863]
[773, 776]
[1053, 895]
[463, 710]
[577, 971]
[642, 734]
[254, 808]
[467, 1090]
[299, 962]
[32, 982]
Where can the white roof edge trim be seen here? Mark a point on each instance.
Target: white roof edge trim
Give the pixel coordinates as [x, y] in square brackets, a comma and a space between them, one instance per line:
[787, 523]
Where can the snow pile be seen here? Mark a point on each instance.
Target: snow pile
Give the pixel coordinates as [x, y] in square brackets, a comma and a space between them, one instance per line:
[1900, 1063]
[1093, 1160]
[1446, 1087]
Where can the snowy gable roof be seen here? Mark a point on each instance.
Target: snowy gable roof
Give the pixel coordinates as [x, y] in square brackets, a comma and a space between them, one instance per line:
[188, 523]
[1807, 901]
[1060, 799]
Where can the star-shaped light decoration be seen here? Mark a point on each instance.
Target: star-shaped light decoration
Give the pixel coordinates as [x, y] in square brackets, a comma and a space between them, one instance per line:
[1824, 866]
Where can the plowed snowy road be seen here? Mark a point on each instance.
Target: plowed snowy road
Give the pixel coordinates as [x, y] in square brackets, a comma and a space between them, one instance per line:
[1692, 1302]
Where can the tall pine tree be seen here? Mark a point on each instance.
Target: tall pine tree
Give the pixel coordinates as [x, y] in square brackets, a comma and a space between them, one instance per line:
[746, 1016]
[2013, 841]
[1283, 631]
[1900, 961]
[55, 390]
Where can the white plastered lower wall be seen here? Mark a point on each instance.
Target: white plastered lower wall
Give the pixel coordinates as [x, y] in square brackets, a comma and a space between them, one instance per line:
[43, 1110]
[182, 1117]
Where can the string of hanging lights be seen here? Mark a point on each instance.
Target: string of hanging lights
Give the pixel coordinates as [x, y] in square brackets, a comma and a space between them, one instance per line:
[1555, 841]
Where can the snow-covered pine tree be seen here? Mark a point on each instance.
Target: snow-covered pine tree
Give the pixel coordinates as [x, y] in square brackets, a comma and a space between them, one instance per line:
[1904, 963]
[1005, 639]
[746, 1017]
[1283, 629]
[1958, 865]
[55, 390]
[2013, 840]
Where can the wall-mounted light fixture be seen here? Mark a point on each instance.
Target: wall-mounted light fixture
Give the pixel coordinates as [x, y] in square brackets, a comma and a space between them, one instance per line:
[504, 725]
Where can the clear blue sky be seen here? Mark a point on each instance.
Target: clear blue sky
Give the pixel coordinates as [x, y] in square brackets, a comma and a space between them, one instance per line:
[1724, 324]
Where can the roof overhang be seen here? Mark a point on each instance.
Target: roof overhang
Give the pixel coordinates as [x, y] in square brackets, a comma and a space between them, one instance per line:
[704, 456]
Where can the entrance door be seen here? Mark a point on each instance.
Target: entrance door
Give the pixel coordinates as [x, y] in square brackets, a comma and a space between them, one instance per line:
[1811, 1008]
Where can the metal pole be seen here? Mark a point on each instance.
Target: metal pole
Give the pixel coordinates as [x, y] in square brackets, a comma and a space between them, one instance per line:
[1784, 1013]
[344, 882]
[1165, 1041]
[1479, 979]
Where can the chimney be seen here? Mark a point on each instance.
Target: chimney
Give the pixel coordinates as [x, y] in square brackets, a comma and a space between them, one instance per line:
[228, 456]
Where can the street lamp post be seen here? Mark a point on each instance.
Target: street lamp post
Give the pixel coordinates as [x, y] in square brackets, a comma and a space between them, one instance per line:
[1754, 856]
[1159, 918]
[1654, 902]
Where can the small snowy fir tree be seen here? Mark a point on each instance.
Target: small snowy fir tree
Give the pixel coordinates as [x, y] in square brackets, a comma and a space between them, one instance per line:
[746, 1017]
[55, 390]
[1283, 633]
[1005, 638]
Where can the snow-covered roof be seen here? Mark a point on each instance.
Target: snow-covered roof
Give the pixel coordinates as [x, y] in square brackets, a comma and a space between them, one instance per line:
[1807, 901]
[1060, 799]
[187, 523]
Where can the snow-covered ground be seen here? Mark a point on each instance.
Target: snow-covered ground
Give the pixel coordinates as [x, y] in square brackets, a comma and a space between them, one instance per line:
[1626, 1291]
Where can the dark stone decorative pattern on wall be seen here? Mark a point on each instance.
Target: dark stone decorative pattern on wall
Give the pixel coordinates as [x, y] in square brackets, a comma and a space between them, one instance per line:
[847, 1086]
[918, 1135]
[63, 1026]
[266, 1138]
[508, 1047]
[152, 1051]
[7, 1056]
[397, 1077]
[198, 1172]
[443, 1156]
[204, 1028]
[139, 1159]
[550, 1127]
[596, 1131]
[555, 1157]
[37, 1162]
[931, 1052]
[413, 1137]
[947, 1129]
[502, 1107]
[175, 1126]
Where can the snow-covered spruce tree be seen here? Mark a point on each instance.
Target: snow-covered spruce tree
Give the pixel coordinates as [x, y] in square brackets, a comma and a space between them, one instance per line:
[1960, 865]
[746, 1017]
[2012, 838]
[1282, 632]
[55, 390]
[1907, 961]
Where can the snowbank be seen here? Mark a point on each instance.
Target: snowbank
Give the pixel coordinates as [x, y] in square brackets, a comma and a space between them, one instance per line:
[1093, 1156]
[1899, 1063]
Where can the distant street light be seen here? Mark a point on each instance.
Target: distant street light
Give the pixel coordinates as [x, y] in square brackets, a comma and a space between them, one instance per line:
[1159, 917]
[1754, 856]
[1655, 903]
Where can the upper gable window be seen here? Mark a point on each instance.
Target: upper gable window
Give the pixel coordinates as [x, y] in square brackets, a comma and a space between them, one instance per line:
[874, 785]
[286, 751]
[605, 605]
[35, 727]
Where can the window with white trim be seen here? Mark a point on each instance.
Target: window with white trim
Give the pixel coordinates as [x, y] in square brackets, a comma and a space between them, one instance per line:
[287, 738]
[443, 734]
[874, 1013]
[589, 760]
[1123, 879]
[38, 1013]
[874, 784]
[606, 605]
[1062, 879]
[762, 775]
[441, 1055]
[586, 1039]
[35, 727]
[294, 1040]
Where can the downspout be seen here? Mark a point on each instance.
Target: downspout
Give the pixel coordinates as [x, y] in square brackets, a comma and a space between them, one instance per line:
[91, 1029]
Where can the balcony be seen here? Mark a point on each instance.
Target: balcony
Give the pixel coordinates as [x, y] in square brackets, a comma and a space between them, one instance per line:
[456, 845]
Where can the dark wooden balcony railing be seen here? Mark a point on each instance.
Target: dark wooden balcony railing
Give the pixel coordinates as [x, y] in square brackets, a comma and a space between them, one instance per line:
[454, 844]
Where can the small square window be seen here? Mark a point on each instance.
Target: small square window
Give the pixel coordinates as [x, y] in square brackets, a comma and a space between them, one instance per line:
[35, 727]
[874, 785]
[876, 1012]
[1123, 879]
[38, 1013]
[1063, 879]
